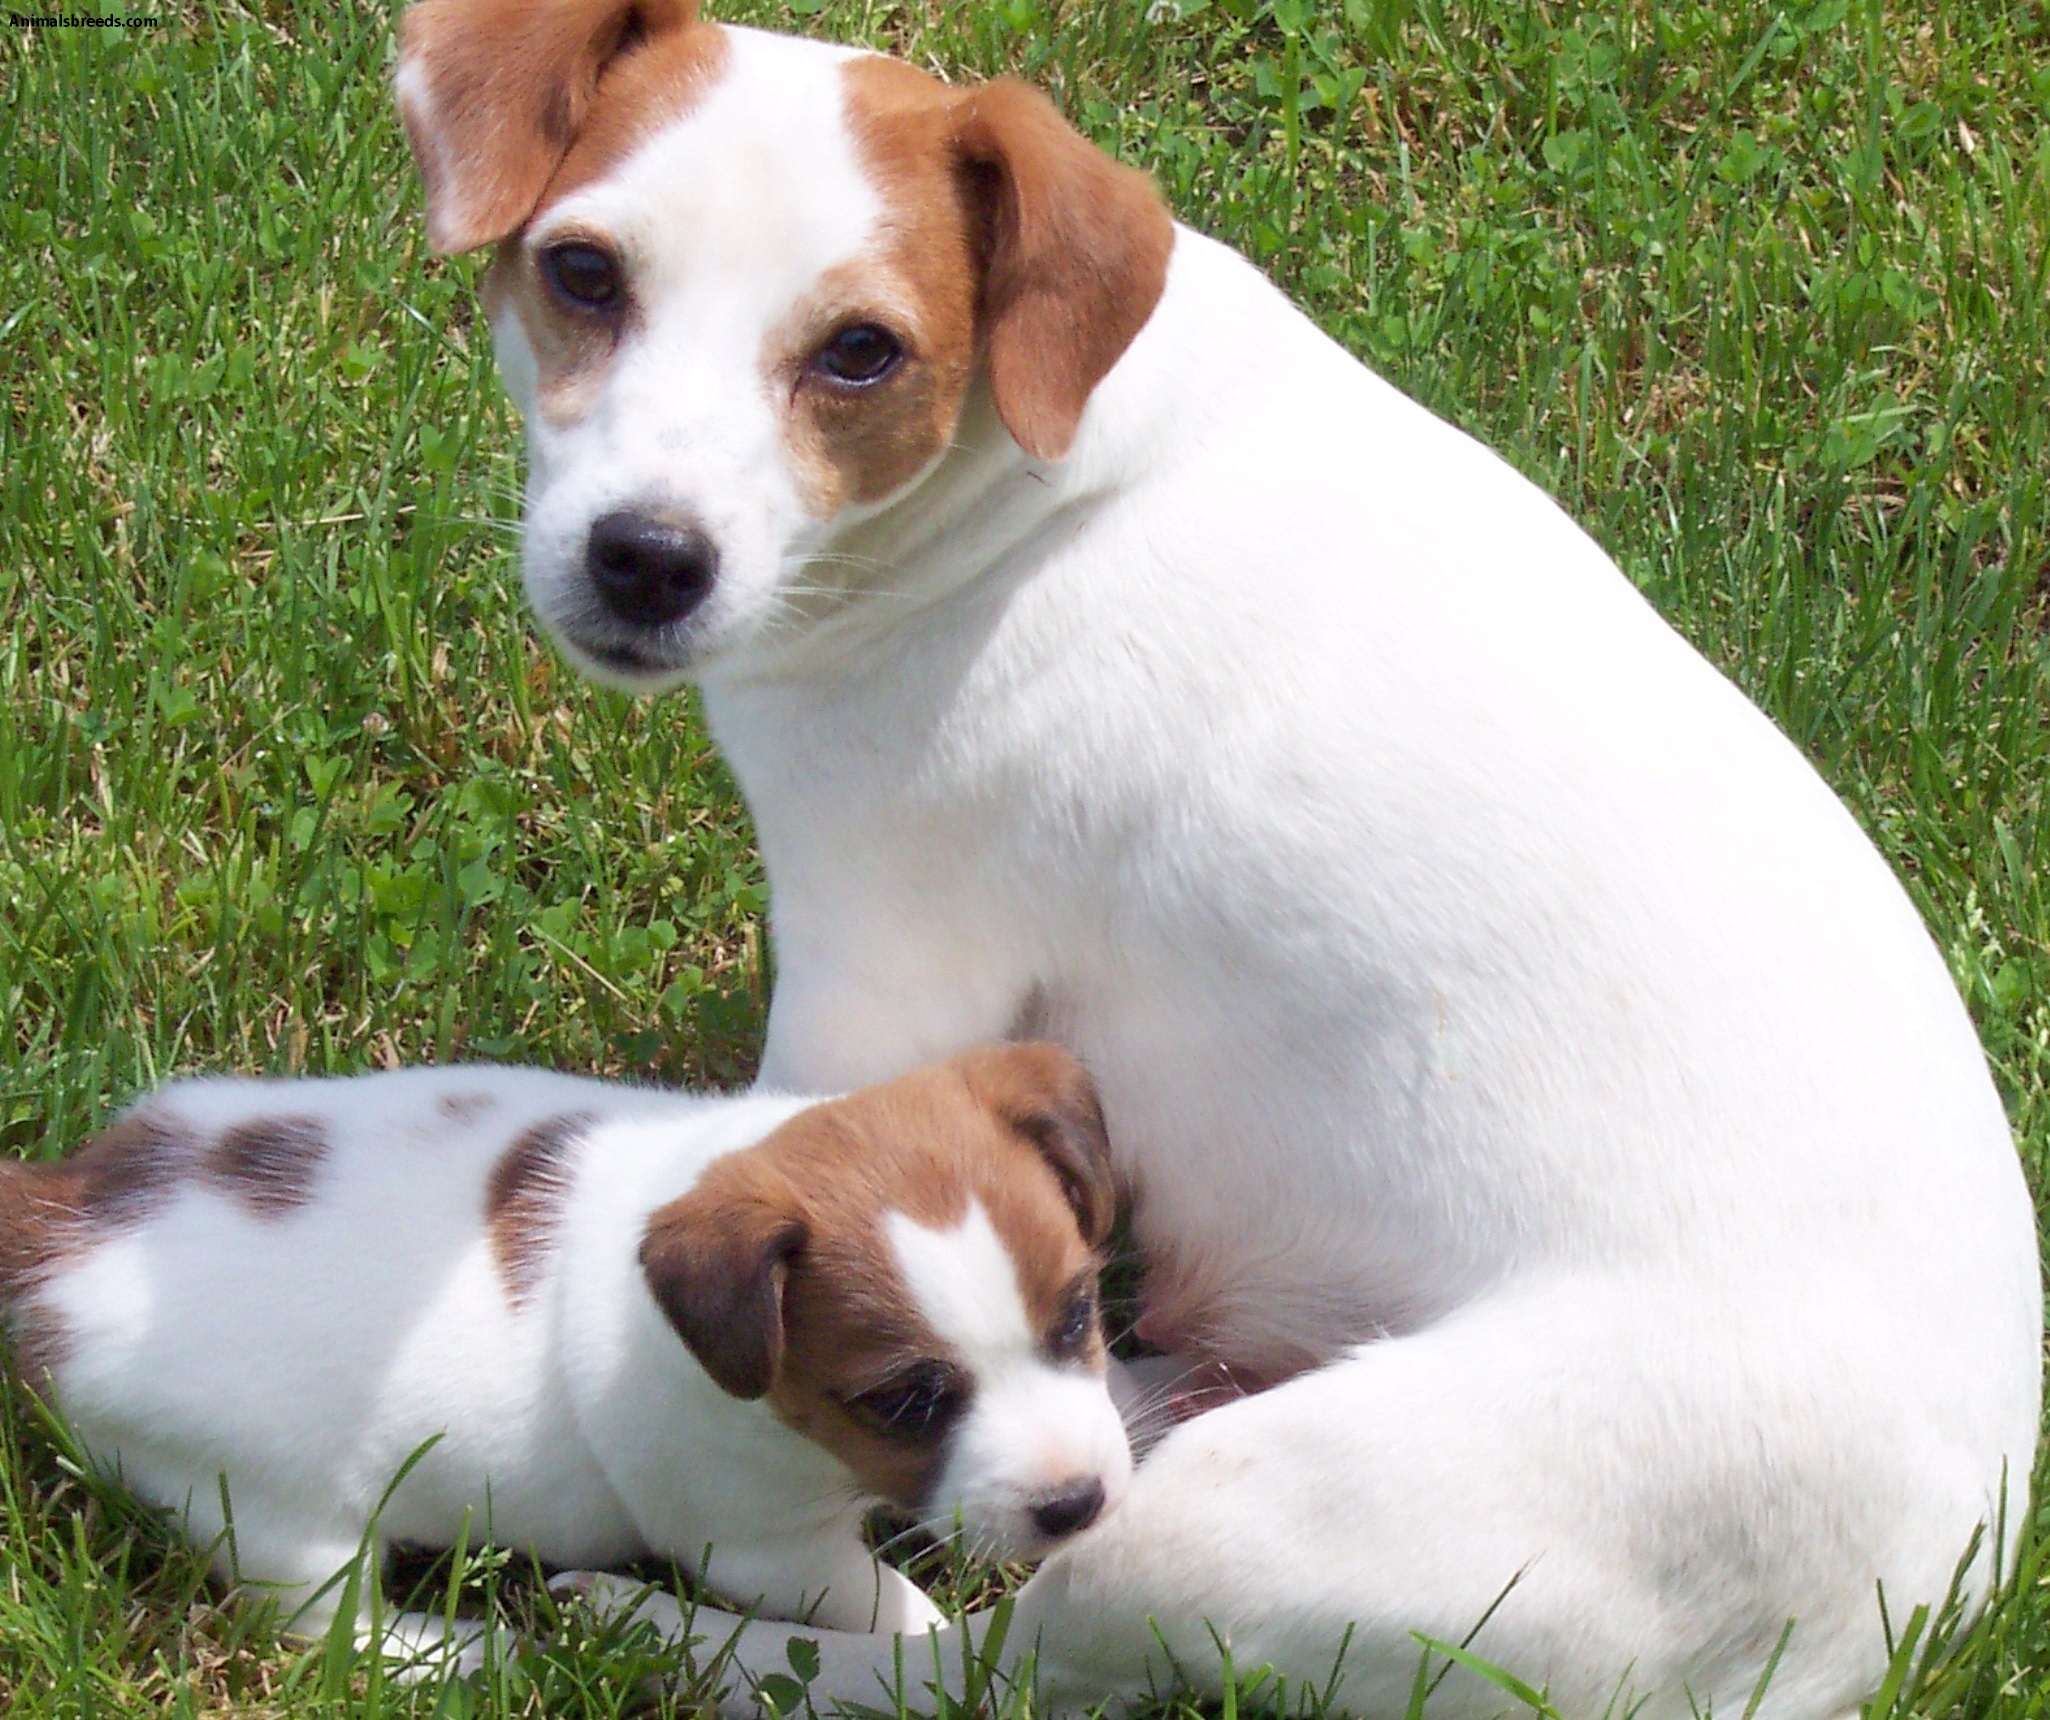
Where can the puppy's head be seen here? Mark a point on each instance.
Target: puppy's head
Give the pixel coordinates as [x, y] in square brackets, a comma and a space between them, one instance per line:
[743, 289]
[909, 1277]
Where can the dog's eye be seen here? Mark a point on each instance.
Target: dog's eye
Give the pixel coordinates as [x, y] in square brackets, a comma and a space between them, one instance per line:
[1075, 1325]
[916, 1404]
[860, 355]
[583, 274]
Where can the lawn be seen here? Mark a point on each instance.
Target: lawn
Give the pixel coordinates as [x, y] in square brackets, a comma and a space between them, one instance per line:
[288, 783]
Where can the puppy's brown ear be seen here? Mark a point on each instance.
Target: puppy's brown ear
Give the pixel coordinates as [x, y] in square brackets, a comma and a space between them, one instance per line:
[1076, 251]
[715, 1261]
[494, 91]
[1046, 1095]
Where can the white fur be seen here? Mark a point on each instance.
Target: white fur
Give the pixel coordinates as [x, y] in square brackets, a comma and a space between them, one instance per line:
[1033, 1426]
[306, 1355]
[1489, 1004]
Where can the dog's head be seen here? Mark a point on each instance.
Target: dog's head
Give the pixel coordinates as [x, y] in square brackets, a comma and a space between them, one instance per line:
[744, 287]
[908, 1276]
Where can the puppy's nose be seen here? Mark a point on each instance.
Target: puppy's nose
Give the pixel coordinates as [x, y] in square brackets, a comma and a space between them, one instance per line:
[1068, 1509]
[650, 571]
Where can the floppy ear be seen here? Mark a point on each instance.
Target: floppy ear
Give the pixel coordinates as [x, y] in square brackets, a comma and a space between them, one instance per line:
[1076, 251]
[715, 1261]
[494, 91]
[1046, 1095]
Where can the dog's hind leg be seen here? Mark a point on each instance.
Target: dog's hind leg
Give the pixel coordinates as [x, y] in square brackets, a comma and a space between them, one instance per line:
[311, 1574]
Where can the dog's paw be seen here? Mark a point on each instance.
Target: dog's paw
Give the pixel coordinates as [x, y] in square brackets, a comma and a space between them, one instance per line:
[418, 1647]
[616, 1599]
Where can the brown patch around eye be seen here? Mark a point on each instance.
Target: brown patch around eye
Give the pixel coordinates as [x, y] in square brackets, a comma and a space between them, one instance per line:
[923, 1146]
[523, 1199]
[574, 347]
[268, 1163]
[848, 1327]
[858, 445]
[898, 1468]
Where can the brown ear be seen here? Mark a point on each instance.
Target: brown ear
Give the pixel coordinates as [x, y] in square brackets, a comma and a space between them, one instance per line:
[715, 1261]
[494, 91]
[1046, 1095]
[1076, 258]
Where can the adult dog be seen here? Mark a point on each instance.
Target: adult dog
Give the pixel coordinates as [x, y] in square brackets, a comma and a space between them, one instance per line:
[1517, 1057]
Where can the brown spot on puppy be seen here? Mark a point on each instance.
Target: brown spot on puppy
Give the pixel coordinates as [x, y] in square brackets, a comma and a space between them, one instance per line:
[127, 1170]
[523, 1198]
[776, 1269]
[51, 1211]
[38, 1345]
[268, 1163]
[464, 1107]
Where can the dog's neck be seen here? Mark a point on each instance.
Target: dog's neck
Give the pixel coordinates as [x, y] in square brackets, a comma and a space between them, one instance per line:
[980, 516]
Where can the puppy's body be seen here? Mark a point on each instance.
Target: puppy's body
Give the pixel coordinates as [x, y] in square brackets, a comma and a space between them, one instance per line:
[1494, 1014]
[298, 1284]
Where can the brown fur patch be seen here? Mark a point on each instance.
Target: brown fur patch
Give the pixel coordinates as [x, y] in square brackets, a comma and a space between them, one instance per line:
[464, 1107]
[54, 1210]
[807, 1205]
[1004, 232]
[523, 1199]
[49, 1210]
[572, 346]
[268, 1163]
[38, 1345]
[507, 91]
[1077, 258]
[641, 93]
[918, 281]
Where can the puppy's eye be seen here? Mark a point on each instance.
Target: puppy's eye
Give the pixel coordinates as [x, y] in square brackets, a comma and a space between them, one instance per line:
[1075, 1325]
[583, 274]
[859, 355]
[919, 1403]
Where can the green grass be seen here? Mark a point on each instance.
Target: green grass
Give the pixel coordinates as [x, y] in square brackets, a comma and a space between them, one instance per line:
[287, 783]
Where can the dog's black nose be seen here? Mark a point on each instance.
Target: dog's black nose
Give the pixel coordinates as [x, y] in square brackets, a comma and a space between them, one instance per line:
[650, 571]
[1069, 1508]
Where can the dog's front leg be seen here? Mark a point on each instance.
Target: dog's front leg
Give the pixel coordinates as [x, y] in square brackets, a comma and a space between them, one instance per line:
[855, 1665]
[836, 1587]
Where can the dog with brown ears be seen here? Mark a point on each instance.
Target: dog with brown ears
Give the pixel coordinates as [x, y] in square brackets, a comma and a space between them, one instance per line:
[1520, 1060]
[611, 1322]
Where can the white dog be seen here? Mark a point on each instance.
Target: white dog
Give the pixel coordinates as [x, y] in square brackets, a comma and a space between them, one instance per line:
[290, 1287]
[1520, 1058]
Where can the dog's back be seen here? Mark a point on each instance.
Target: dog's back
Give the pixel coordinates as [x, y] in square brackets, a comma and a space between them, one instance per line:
[317, 1276]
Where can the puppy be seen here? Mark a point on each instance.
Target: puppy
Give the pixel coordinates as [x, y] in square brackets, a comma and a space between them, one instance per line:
[1516, 1052]
[713, 1330]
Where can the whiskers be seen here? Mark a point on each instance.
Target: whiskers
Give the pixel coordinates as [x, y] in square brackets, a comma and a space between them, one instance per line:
[1161, 1392]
